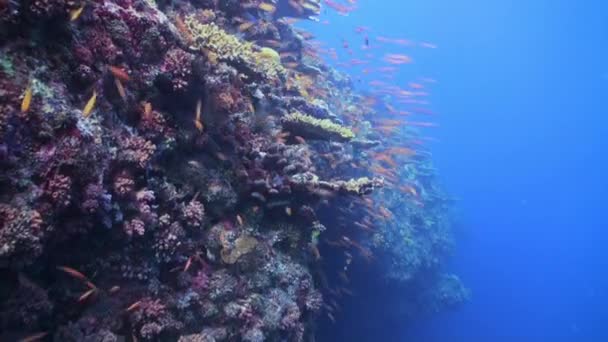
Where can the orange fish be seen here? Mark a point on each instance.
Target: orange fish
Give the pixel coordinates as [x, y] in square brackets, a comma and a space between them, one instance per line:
[74, 273]
[393, 58]
[86, 295]
[34, 337]
[133, 306]
[240, 220]
[27, 99]
[245, 26]
[197, 117]
[147, 110]
[188, 264]
[119, 73]
[121, 89]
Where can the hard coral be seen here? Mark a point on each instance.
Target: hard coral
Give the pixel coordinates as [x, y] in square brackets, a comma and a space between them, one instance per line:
[232, 50]
[313, 128]
[136, 150]
[177, 66]
[194, 214]
[21, 235]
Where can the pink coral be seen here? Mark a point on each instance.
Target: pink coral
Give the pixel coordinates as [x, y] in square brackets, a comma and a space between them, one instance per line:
[177, 65]
[194, 213]
[136, 150]
[21, 234]
[123, 184]
[144, 199]
[58, 189]
[135, 227]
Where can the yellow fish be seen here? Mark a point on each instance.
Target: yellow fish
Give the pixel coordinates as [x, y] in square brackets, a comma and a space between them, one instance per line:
[267, 7]
[86, 112]
[27, 99]
[75, 13]
[245, 26]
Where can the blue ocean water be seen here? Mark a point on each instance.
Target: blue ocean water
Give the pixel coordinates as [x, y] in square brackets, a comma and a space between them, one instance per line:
[521, 101]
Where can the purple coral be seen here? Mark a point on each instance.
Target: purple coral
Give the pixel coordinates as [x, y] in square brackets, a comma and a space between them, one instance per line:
[59, 189]
[177, 65]
[123, 184]
[194, 214]
[135, 227]
[21, 235]
[136, 150]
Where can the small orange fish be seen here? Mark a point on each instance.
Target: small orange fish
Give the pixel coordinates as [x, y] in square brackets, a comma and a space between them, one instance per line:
[86, 295]
[114, 289]
[121, 89]
[197, 117]
[147, 110]
[188, 264]
[34, 337]
[88, 108]
[133, 306]
[240, 220]
[74, 273]
[27, 99]
[397, 59]
[75, 13]
[119, 73]
[245, 26]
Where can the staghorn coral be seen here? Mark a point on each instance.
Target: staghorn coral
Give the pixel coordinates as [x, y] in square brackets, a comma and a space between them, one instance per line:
[310, 127]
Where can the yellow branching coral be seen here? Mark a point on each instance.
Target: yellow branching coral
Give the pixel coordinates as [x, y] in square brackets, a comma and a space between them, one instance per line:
[231, 49]
[311, 127]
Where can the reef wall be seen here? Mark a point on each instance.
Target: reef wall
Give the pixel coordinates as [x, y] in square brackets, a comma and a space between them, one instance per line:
[193, 171]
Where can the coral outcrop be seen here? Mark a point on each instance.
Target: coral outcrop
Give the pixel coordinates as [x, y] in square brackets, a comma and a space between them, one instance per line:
[187, 171]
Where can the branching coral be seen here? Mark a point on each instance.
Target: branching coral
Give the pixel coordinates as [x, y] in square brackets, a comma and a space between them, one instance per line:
[229, 48]
[313, 128]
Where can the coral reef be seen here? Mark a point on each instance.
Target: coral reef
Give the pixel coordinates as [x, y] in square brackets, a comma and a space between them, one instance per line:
[158, 182]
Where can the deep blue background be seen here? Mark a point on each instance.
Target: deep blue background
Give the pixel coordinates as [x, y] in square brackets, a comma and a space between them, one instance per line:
[522, 99]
